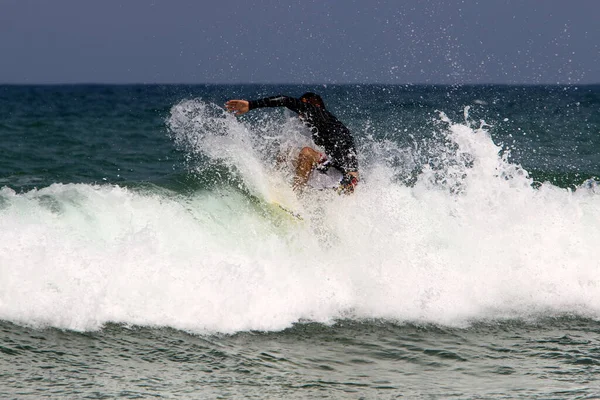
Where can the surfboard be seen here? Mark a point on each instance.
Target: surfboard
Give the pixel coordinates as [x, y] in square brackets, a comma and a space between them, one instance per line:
[286, 211]
[284, 201]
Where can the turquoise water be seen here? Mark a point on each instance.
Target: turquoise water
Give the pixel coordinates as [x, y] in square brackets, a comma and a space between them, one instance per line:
[138, 256]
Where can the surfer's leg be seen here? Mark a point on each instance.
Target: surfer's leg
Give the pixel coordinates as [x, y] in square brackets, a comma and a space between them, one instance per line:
[307, 159]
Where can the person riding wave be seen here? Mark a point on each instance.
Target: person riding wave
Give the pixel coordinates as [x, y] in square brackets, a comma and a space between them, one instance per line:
[327, 132]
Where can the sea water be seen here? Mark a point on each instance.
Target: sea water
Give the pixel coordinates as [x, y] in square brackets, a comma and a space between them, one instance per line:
[139, 257]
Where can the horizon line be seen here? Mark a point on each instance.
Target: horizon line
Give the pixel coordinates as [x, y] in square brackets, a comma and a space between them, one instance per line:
[284, 84]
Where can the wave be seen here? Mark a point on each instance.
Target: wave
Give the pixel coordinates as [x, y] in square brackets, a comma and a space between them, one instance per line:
[471, 238]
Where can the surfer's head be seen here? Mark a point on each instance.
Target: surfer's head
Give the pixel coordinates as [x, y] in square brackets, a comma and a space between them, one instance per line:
[312, 98]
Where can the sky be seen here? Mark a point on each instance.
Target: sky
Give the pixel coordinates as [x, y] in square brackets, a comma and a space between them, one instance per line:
[300, 41]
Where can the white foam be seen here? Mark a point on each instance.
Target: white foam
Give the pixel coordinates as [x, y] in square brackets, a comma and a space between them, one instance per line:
[480, 243]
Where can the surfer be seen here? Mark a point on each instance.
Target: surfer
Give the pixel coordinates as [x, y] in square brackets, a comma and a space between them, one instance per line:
[327, 132]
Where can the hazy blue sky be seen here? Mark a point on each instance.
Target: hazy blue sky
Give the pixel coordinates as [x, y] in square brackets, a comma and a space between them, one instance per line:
[300, 41]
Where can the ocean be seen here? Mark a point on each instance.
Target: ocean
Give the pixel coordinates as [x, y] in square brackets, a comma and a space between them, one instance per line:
[140, 257]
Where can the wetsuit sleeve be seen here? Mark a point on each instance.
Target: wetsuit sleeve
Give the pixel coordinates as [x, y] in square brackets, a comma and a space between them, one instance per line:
[279, 101]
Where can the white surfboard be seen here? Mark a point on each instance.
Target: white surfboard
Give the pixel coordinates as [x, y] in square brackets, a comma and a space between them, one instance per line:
[282, 198]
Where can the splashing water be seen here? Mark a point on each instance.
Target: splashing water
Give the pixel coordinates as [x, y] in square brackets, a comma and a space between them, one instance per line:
[470, 239]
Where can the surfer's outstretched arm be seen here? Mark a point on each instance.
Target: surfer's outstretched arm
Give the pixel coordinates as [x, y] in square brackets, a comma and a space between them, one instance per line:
[243, 106]
[292, 103]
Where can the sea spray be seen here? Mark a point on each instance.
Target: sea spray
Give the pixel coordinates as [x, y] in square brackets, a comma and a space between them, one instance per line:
[470, 239]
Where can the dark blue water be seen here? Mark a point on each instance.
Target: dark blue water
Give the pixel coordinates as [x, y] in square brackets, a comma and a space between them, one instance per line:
[118, 133]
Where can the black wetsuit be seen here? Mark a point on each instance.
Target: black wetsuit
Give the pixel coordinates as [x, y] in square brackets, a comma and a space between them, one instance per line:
[327, 131]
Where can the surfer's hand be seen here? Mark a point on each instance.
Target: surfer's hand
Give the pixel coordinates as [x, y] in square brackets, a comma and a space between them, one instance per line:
[238, 107]
[348, 183]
